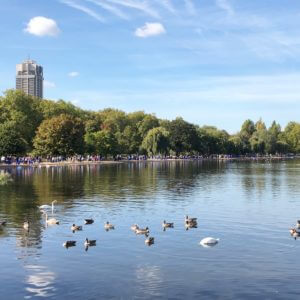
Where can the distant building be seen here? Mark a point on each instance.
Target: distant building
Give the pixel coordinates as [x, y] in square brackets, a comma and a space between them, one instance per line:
[29, 78]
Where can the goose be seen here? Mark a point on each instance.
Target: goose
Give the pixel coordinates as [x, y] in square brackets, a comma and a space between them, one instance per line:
[76, 227]
[88, 221]
[26, 225]
[88, 242]
[46, 206]
[134, 227]
[167, 225]
[190, 220]
[68, 244]
[108, 226]
[298, 223]
[294, 233]
[142, 231]
[51, 221]
[190, 225]
[209, 241]
[149, 241]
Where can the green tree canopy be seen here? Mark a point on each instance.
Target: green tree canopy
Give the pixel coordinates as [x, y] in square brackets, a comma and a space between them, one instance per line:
[62, 135]
[156, 141]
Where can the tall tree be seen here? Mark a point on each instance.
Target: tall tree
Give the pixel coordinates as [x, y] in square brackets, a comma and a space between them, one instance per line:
[62, 135]
[156, 141]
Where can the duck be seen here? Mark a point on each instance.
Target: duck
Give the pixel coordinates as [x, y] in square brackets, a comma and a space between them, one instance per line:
[190, 220]
[149, 241]
[88, 221]
[76, 227]
[298, 223]
[134, 227]
[68, 244]
[51, 221]
[2, 223]
[46, 206]
[26, 225]
[142, 230]
[209, 241]
[88, 242]
[294, 233]
[108, 226]
[167, 225]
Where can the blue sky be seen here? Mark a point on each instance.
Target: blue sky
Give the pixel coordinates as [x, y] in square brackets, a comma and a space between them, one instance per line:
[214, 62]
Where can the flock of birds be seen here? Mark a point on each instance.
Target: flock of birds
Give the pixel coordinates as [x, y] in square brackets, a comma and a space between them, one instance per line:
[149, 240]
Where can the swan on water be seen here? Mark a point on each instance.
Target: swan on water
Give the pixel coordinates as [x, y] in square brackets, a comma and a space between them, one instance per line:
[46, 206]
[209, 242]
[51, 221]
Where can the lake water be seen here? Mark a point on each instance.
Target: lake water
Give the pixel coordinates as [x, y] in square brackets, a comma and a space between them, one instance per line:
[249, 206]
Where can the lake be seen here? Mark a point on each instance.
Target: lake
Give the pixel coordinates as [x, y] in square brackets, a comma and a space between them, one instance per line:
[249, 206]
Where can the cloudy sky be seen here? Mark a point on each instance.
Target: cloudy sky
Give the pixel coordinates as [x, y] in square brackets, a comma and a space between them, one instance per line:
[215, 62]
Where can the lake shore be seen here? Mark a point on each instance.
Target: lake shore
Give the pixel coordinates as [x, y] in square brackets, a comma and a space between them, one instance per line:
[106, 162]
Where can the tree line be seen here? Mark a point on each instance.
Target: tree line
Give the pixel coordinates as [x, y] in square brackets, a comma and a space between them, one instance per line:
[38, 127]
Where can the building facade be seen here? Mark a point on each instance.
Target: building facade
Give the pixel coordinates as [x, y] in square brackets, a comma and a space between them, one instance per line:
[29, 78]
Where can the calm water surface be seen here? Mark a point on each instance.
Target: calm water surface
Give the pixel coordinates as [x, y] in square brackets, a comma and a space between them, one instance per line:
[249, 206]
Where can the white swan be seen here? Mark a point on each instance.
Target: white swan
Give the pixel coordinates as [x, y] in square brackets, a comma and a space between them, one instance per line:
[46, 206]
[51, 221]
[209, 242]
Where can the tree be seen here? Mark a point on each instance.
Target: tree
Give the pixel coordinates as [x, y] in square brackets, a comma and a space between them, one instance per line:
[156, 141]
[102, 142]
[292, 136]
[11, 141]
[24, 111]
[183, 136]
[62, 135]
[245, 134]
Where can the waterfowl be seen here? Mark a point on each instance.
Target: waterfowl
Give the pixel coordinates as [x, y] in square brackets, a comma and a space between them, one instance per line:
[134, 227]
[51, 221]
[209, 241]
[190, 220]
[298, 223]
[149, 241]
[142, 230]
[68, 244]
[88, 221]
[46, 206]
[190, 225]
[26, 225]
[167, 225]
[2, 223]
[88, 242]
[108, 226]
[294, 233]
[76, 227]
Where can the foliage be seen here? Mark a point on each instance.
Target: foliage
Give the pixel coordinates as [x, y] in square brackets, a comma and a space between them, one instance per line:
[5, 178]
[62, 135]
[45, 127]
[156, 141]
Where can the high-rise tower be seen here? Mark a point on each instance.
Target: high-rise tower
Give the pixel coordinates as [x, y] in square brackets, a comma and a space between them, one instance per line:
[29, 78]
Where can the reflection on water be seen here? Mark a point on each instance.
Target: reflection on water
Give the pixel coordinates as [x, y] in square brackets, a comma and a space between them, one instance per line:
[39, 282]
[248, 205]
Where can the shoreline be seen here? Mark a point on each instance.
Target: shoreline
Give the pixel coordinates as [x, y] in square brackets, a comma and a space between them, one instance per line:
[107, 162]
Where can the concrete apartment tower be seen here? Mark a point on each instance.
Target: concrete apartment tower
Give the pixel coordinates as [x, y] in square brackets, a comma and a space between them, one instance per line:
[29, 78]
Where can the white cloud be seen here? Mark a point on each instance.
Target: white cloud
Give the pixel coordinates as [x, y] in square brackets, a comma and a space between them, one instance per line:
[42, 26]
[150, 29]
[84, 9]
[73, 74]
[112, 9]
[49, 84]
